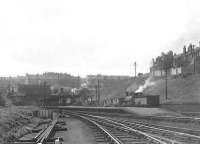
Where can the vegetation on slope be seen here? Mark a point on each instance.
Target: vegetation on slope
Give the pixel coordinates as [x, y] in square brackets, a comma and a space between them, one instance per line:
[111, 88]
[180, 90]
[114, 88]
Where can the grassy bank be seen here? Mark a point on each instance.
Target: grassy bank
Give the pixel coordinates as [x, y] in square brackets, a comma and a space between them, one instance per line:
[180, 90]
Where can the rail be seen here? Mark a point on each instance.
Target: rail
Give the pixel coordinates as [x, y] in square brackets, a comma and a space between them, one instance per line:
[102, 123]
[151, 132]
[43, 136]
[104, 130]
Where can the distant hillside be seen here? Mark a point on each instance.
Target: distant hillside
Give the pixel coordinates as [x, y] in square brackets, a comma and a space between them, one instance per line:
[114, 88]
[111, 88]
[117, 87]
[180, 90]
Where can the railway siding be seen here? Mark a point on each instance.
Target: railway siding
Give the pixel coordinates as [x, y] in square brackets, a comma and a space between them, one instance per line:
[156, 134]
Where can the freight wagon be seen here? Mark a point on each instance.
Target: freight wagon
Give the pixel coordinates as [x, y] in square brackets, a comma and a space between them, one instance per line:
[140, 99]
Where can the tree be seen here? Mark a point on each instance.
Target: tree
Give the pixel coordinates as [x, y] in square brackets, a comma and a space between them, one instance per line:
[84, 93]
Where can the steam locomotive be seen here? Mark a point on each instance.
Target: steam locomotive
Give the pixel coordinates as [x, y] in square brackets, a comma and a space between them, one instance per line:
[133, 99]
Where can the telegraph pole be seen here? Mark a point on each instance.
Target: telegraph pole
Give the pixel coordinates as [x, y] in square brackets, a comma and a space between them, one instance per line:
[96, 91]
[98, 87]
[194, 54]
[44, 94]
[166, 84]
[135, 68]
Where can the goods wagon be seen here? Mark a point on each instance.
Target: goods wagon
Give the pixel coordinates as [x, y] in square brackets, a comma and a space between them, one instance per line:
[140, 99]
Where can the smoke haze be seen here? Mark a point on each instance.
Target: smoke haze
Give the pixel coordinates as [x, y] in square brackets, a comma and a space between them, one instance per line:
[146, 84]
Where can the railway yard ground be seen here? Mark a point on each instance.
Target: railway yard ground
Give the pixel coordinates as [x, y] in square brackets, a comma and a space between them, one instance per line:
[77, 132]
[151, 111]
[101, 125]
[16, 121]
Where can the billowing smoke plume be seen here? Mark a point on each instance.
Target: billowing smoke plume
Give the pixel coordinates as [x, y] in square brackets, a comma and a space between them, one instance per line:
[146, 84]
[84, 84]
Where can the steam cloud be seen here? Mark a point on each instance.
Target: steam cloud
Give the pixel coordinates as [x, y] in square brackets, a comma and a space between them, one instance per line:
[146, 84]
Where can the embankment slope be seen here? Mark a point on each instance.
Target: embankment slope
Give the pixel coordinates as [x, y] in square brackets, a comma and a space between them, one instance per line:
[180, 90]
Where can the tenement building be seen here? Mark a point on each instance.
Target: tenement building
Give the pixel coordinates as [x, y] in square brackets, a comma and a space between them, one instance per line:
[187, 62]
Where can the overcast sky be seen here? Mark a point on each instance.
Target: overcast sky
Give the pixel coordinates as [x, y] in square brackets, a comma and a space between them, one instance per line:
[92, 36]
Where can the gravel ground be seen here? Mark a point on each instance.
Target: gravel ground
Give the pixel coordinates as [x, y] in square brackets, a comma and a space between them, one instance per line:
[193, 126]
[142, 111]
[77, 133]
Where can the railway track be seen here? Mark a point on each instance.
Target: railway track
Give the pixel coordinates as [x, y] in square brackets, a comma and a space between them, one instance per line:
[169, 128]
[177, 134]
[108, 131]
[182, 119]
[156, 134]
[43, 137]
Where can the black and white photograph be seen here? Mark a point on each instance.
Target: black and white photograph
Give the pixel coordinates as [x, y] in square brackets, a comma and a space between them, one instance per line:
[99, 72]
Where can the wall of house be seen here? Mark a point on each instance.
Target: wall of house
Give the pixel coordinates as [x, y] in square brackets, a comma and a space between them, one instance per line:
[175, 71]
[158, 73]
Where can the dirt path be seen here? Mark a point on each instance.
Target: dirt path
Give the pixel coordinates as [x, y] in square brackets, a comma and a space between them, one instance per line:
[77, 133]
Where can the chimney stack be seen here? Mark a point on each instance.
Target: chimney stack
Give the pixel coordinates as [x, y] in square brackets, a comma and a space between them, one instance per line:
[190, 48]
